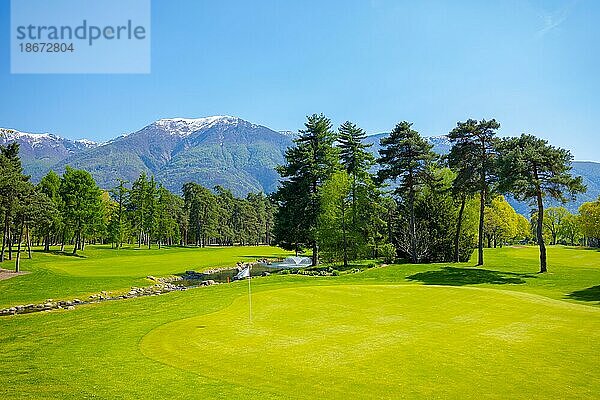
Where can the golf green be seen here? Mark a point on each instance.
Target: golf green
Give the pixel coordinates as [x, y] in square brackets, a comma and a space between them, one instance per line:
[390, 341]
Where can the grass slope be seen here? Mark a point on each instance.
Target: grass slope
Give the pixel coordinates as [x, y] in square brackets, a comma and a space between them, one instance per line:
[414, 331]
[60, 276]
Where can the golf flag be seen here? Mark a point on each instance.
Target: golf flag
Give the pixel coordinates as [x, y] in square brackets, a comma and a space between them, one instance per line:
[245, 273]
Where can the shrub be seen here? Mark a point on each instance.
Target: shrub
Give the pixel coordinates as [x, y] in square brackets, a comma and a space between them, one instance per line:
[388, 253]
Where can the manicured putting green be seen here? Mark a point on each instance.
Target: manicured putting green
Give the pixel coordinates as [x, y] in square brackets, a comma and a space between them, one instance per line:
[363, 341]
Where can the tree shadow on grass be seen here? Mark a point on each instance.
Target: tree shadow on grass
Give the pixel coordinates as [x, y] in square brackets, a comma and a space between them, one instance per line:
[60, 253]
[452, 276]
[588, 294]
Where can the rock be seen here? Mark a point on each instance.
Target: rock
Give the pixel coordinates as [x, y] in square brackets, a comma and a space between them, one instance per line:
[70, 308]
[265, 273]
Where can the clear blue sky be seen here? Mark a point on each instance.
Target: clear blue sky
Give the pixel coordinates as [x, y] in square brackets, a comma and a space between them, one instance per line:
[533, 65]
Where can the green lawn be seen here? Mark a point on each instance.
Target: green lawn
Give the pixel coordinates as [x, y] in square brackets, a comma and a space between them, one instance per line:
[61, 276]
[403, 331]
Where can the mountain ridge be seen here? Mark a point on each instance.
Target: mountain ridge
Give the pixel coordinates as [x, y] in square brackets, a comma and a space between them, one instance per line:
[216, 150]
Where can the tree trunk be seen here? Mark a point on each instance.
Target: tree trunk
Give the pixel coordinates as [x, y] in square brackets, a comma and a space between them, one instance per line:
[47, 242]
[412, 228]
[344, 235]
[28, 238]
[4, 236]
[463, 202]
[315, 255]
[481, 215]
[10, 243]
[18, 258]
[540, 232]
[76, 244]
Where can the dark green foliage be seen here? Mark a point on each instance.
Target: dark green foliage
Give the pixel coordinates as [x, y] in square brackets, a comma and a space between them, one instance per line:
[473, 158]
[309, 164]
[406, 159]
[532, 170]
[201, 207]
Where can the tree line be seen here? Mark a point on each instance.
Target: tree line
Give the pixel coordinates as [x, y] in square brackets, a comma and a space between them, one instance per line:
[339, 201]
[334, 198]
[71, 210]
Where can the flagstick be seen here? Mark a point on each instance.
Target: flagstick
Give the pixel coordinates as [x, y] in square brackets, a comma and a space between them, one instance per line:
[249, 297]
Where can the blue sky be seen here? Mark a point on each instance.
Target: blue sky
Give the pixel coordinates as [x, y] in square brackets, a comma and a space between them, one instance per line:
[533, 65]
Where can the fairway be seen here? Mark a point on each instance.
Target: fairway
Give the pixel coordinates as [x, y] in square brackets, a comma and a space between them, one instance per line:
[361, 341]
[59, 275]
[401, 331]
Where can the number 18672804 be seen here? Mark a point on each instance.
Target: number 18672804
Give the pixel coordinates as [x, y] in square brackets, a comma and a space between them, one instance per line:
[46, 47]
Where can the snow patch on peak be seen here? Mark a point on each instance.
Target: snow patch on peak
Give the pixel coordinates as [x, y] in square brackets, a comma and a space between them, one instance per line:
[36, 139]
[11, 134]
[87, 143]
[187, 126]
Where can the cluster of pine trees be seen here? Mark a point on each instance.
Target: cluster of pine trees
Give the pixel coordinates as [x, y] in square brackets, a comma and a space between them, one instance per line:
[72, 210]
[337, 200]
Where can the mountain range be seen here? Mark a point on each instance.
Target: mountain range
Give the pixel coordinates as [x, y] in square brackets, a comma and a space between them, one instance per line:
[218, 150]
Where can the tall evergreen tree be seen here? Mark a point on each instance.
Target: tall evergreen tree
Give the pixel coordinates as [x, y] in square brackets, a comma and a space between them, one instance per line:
[474, 159]
[119, 195]
[531, 170]
[406, 159]
[201, 205]
[309, 164]
[137, 206]
[14, 189]
[355, 158]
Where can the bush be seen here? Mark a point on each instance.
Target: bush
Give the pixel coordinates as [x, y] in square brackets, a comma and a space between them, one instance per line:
[388, 253]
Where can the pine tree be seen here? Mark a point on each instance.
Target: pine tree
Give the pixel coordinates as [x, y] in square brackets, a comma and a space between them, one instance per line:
[309, 164]
[474, 154]
[14, 186]
[406, 159]
[355, 158]
[531, 169]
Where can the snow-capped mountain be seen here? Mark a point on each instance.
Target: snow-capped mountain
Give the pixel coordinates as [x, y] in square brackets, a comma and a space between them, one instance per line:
[217, 150]
[41, 151]
[186, 126]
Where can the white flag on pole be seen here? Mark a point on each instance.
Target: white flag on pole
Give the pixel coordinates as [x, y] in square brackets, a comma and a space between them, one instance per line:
[245, 273]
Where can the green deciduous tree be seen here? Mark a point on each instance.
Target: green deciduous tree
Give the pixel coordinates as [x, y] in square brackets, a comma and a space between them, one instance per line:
[570, 229]
[553, 219]
[81, 203]
[589, 219]
[335, 218]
